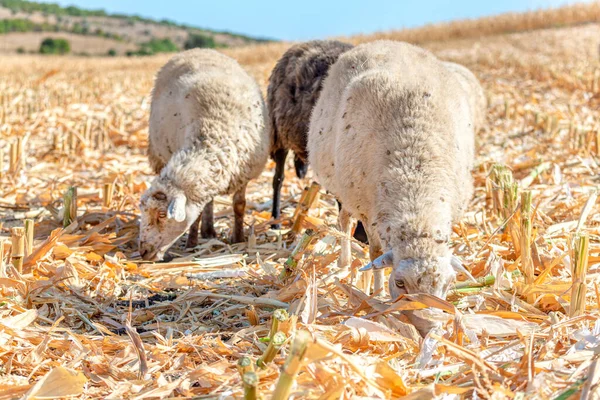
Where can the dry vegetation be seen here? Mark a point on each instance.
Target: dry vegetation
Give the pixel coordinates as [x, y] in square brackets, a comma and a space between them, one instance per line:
[85, 317]
[576, 14]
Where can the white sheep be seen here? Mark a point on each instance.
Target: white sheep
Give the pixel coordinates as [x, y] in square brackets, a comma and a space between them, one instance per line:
[391, 136]
[207, 138]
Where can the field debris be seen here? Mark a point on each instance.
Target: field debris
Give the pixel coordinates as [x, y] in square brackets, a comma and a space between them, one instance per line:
[81, 315]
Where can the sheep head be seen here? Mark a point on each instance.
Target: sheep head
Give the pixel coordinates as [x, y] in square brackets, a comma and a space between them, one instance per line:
[166, 214]
[422, 275]
[432, 275]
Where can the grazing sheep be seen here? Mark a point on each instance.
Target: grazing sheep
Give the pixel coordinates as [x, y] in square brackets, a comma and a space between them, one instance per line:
[407, 117]
[294, 86]
[207, 138]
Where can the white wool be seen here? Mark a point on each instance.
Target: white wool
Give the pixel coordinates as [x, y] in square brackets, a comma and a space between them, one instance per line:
[207, 137]
[392, 137]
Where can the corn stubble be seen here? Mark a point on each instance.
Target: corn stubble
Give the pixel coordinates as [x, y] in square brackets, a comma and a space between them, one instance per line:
[81, 315]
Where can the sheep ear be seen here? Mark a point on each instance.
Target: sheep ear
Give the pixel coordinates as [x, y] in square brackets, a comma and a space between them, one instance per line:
[459, 268]
[386, 260]
[176, 208]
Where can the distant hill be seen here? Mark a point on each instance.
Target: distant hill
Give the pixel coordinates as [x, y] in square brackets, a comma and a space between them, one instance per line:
[24, 24]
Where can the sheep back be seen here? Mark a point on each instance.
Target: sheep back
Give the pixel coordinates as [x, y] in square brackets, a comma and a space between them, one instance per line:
[405, 114]
[205, 106]
[294, 87]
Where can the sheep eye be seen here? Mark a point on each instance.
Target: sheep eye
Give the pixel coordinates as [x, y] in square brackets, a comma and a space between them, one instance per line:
[399, 283]
[162, 214]
[160, 196]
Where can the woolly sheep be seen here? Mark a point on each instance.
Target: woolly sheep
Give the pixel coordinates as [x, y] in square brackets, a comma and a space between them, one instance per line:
[294, 86]
[409, 118]
[207, 138]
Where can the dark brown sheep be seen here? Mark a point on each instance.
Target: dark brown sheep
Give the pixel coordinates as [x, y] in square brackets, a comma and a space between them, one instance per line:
[294, 88]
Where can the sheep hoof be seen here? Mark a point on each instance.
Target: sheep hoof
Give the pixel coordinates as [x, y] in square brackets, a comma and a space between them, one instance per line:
[237, 238]
[192, 241]
[276, 226]
[209, 234]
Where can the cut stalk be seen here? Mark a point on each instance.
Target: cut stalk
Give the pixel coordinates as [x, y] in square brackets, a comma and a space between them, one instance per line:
[274, 345]
[279, 315]
[251, 315]
[292, 261]
[29, 226]
[300, 202]
[310, 199]
[578, 291]
[504, 191]
[3, 246]
[18, 247]
[492, 187]
[55, 142]
[526, 261]
[88, 130]
[107, 194]
[245, 365]
[13, 158]
[292, 366]
[510, 193]
[70, 206]
[250, 380]
[72, 142]
[20, 156]
[527, 266]
[251, 239]
[595, 81]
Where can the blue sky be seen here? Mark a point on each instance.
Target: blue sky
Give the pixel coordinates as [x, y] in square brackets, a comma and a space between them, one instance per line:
[311, 19]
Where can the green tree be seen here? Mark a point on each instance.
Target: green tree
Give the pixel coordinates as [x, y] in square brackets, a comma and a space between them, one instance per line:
[155, 46]
[55, 46]
[199, 40]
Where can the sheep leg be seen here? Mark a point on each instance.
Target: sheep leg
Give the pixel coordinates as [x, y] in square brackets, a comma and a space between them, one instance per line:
[378, 274]
[301, 166]
[192, 240]
[207, 229]
[346, 223]
[279, 156]
[360, 232]
[239, 208]
[375, 250]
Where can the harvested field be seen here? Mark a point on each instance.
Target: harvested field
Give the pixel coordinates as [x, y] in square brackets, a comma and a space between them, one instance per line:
[85, 317]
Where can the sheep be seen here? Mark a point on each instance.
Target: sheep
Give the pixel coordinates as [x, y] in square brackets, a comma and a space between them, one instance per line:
[294, 86]
[207, 137]
[409, 119]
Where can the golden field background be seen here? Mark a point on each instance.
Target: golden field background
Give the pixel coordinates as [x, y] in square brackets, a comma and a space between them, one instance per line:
[86, 318]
